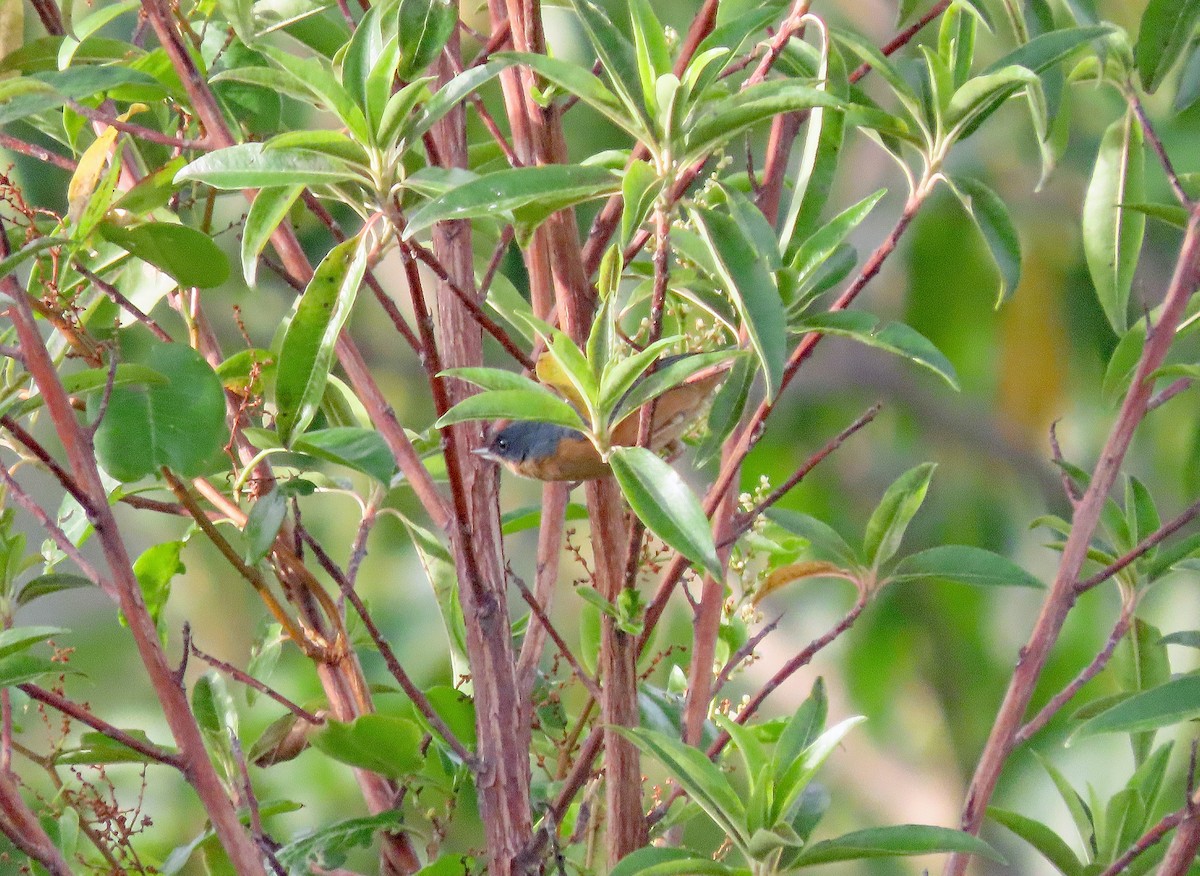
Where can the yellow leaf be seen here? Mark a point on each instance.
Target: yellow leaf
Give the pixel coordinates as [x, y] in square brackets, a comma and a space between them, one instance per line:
[88, 172]
[551, 373]
[794, 572]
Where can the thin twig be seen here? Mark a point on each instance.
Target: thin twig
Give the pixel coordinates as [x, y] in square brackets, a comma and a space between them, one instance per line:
[1064, 696]
[1163, 532]
[83, 716]
[124, 303]
[11, 143]
[1156, 144]
[250, 681]
[745, 520]
[139, 131]
[563, 648]
[468, 302]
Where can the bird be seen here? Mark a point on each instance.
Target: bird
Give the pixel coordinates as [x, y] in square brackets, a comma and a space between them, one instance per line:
[549, 452]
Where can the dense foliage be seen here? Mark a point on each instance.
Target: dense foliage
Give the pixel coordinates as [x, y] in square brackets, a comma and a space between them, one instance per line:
[277, 275]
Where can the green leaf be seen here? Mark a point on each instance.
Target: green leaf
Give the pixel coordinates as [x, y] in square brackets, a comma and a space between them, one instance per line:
[619, 379]
[1112, 234]
[1166, 28]
[663, 501]
[1188, 638]
[582, 83]
[824, 539]
[816, 249]
[894, 337]
[155, 569]
[382, 744]
[49, 91]
[495, 379]
[991, 217]
[93, 380]
[317, 77]
[214, 709]
[425, 26]
[96, 748]
[617, 55]
[306, 354]
[443, 581]
[1049, 844]
[896, 509]
[352, 446]
[253, 166]
[699, 777]
[21, 668]
[726, 118]
[792, 781]
[671, 374]
[28, 251]
[896, 841]
[54, 582]
[262, 524]
[538, 406]
[17, 639]
[530, 517]
[186, 254]
[328, 847]
[726, 410]
[965, 564]
[179, 423]
[661, 861]
[271, 206]
[1163, 706]
[528, 194]
[746, 279]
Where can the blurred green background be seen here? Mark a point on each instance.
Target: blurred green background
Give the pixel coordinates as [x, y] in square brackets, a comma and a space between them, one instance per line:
[927, 664]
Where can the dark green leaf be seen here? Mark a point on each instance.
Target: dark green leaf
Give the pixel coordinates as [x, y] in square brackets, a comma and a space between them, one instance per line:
[1166, 28]
[262, 524]
[991, 217]
[179, 424]
[661, 861]
[425, 25]
[16, 639]
[1177, 700]
[894, 337]
[55, 582]
[1051, 846]
[270, 207]
[965, 564]
[697, 775]
[1188, 638]
[306, 354]
[616, 54]
[665, 503]
[745, 277]
[726, 118]
[96, 748]
[186, 254]
[21, 668]
[726, 411]
[824, 539]
[328, 847]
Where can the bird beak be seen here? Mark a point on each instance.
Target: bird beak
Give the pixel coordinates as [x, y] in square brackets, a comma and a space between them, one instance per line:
[485, 452]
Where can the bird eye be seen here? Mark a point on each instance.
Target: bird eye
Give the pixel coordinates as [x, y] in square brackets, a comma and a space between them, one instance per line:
[502, 443]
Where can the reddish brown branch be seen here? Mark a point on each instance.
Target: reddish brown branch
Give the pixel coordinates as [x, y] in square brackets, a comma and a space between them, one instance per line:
[1062, 594]
[83, 716]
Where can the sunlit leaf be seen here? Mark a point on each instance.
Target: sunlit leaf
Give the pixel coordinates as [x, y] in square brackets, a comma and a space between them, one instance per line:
[307, 352]
[1112, 234]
